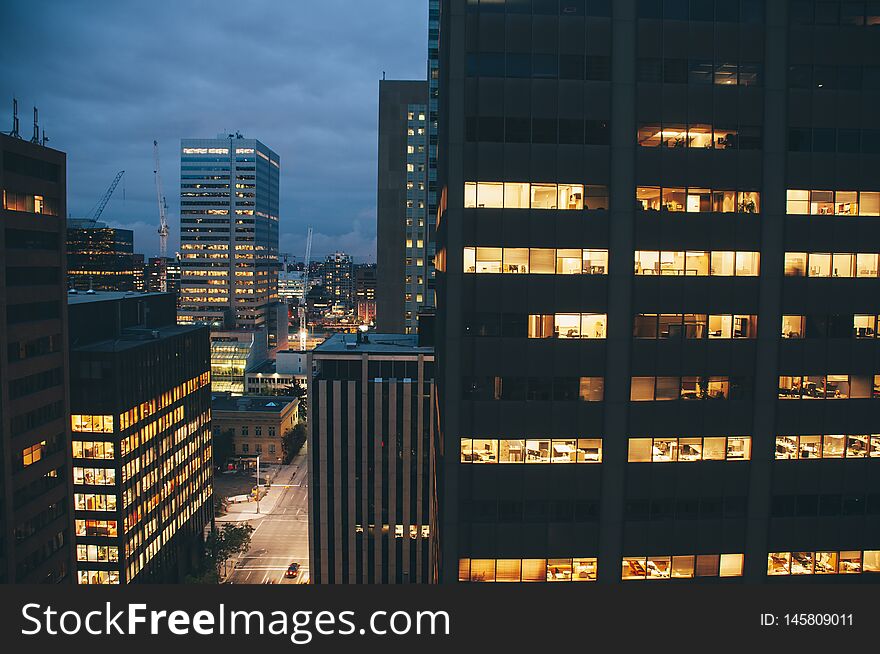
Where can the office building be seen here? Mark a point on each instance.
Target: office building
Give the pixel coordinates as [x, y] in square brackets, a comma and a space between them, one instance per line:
[402, 195]
[139, 272]
[100, 257]
[339, 281]
[36, 521]
[163, 272]
[233, 353]
[140, 407]
[370, 460]
[659, 237]
[365, 292]
[255, 424]
[228, 231]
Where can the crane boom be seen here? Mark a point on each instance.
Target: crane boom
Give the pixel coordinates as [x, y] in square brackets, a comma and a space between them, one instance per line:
[163, 218]
[303, 309]
[95, 213]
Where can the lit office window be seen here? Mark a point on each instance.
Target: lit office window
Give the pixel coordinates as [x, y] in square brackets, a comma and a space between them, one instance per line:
[823, 563]
[681, 566]
[697, 263]
[697, 200]
[527, 570]
[694, 326]
[662, 388]
[527, 195]
[828, 387]
[687, 449]
[833, 203]
[531, 450]
[538, 261]
[823, 446]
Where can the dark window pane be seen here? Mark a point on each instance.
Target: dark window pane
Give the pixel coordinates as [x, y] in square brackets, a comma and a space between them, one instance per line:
[702, 10]
[827, 13]
[750, 74]
[675, 9]
[598, 68]
[800, 139]
[544, 130]
[649, 70]
[571, 8]
[750, 138]
[596, 132]
[491, 129]
[571, 67]
[848, 140]
[491, 64]
[519, 65]
[751, 11]
[470, 128]
[727, 11]
[675, 71]
[852, 13]
[544, 66]
[700, 71]
[518, 130]
[824, 140]
[598, 7]
[545, 6]
[800, 77]
[571, 131]
[816, 326]
[872, 14]
[514, 325]
[849, 78]
[800, 12]
[725, 72]
[519, 6]
[871, 141]
[649, 9]
[871, 78]
[824, 77]
[471, 64]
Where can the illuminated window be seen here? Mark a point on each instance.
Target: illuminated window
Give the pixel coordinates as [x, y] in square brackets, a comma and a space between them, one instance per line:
[669, 449]
[697, 263]
[823, 562]
[793, 326]
[541, 450]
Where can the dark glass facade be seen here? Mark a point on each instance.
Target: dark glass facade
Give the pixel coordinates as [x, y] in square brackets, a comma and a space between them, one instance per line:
[579, 137]
[36, 520]
[100, 257]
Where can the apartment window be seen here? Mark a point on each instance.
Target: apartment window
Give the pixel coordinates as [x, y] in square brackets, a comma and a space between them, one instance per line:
[793, 326]
[831, 264]
[672, 449]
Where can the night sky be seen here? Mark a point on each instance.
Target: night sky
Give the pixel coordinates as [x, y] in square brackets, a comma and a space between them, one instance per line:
[299, 75]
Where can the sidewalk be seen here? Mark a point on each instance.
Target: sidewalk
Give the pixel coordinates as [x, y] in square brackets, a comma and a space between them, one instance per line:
[247, 511]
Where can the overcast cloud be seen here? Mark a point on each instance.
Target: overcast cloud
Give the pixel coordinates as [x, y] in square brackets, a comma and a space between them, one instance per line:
[299, 75]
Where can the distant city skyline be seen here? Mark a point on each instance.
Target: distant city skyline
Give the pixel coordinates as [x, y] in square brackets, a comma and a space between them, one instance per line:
[314, 99]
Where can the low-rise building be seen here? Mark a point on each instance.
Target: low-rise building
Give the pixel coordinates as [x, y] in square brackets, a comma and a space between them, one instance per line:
[255, 423]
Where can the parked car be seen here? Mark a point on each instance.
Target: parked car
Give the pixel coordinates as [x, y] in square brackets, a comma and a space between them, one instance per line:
[292, 570]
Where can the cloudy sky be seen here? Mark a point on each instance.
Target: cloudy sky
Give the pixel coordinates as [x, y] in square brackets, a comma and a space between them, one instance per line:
[300, 75]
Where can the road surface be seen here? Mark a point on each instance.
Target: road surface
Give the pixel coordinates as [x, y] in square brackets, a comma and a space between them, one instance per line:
[281, 536]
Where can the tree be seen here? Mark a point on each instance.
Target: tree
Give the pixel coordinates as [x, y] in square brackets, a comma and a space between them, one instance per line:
[292, 441]
[228, 540]
[223, 447]
[300, 392]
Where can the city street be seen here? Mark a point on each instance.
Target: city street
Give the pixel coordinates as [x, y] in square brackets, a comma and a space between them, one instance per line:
[281, 535]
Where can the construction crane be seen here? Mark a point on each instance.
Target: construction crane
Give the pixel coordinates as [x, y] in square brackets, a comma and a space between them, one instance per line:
[303, 308]
[98, 209]
[163, 207]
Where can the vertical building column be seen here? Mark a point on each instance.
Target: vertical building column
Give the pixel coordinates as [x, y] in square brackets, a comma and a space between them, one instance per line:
[406, 495]
[773, 207]
[323, 517]
[351, 476]
[619, 341]
[338, 501]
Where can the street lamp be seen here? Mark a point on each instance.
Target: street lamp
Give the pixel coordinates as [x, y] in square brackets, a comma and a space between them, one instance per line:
[258, 483]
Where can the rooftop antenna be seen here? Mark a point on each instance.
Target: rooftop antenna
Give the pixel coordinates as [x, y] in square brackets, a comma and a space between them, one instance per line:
[46, 140]
[14, 133]
[36, 137]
